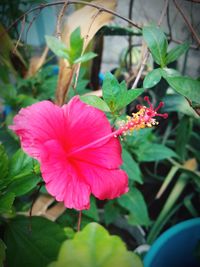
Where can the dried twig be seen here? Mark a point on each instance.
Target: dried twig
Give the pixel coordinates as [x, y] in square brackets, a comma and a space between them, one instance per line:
[59, 20]
[146, 53]
[42, 6]
[195, 35]
[20, 34]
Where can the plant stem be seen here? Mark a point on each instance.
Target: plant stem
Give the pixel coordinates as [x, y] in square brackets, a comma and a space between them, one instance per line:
[79, 221]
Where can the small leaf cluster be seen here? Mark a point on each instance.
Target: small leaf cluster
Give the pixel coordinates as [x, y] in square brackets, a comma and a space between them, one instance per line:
[74, 53]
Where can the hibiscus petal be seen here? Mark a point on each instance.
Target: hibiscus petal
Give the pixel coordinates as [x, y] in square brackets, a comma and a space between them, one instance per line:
[37, 124]
[107, 156]
[62, 180]
[104, 183]
[86, 124]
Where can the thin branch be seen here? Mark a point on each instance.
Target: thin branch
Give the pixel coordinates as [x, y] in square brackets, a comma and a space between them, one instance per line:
[20, 34]
[31, 23]
[59, 20]
[196, 37]
[130, 37]
[42, 6]
[146, 53]
[163, 12]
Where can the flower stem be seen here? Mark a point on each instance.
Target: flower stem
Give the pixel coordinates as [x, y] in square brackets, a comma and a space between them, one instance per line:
[79, 221]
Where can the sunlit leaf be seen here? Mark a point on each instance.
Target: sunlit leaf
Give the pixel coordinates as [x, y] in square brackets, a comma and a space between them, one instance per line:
[93, 246]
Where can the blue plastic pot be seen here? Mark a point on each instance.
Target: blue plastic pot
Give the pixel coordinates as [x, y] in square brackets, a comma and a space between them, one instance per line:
[176, 247]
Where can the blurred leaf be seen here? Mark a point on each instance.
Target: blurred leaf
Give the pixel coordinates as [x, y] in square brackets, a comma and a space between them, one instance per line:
[178, 103]
[2, 252]
[186, 86]
[6, 202]
[157, 43]
[93, 211]
[25, 101]
[57, 47]
[116, 95]
[23, 185]
[111, 212]
[76, 44]
[3, 163]
[20, 165]
[85, 57]
[176, 52]
[153, 152]
[131, 167]
[96, 102]
[93, 246]
[134, 202]
[32, 243]
[182, 136]
[152, 78]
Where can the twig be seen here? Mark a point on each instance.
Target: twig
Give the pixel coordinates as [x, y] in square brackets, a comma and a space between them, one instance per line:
[130, 37]
[20, 34]
[146, 53]
[42, 6]
[196, 37]
[60, 16]
[31, 23]
[163, 12]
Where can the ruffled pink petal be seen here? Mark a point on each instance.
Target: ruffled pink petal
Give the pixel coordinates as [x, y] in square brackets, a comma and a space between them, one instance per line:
[62, 180]
[104, 183]
[86, 124]
[37, 124]
[107, 156]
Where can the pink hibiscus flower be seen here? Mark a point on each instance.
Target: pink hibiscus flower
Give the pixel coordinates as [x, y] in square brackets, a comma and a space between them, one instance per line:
[76, 148]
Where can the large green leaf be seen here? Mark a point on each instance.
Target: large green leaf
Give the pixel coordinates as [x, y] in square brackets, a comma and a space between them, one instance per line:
[131, 167]
[134, 202]
[157, 43]
[57, 47]
[154, 152]
[176, 52]
[93, 211]
[116, 95]
[6, 202]
[94, 247]
[32, 242]
[96, 102]
[85, 57]
[111, 211]
[20, 165]
[185, 86]
[23, 185]
[76, 44]
[152, 78]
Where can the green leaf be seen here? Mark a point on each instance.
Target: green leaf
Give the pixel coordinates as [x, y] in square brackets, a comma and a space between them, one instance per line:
[2, 252]
[134, 202]
[116, 95]
[3, 163]
[57, 47]
[152, 78]
[157, 43]
[176, 52]
[6, 202]
[32, 242]
[23, 185]
[93, 247]
[20, 165]
[96, 102]
[183, 133]
[153, 152]
[131, 167]
[76, 44]
[186, 86]
[85, 57]
[93, 211]
[111, 211]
